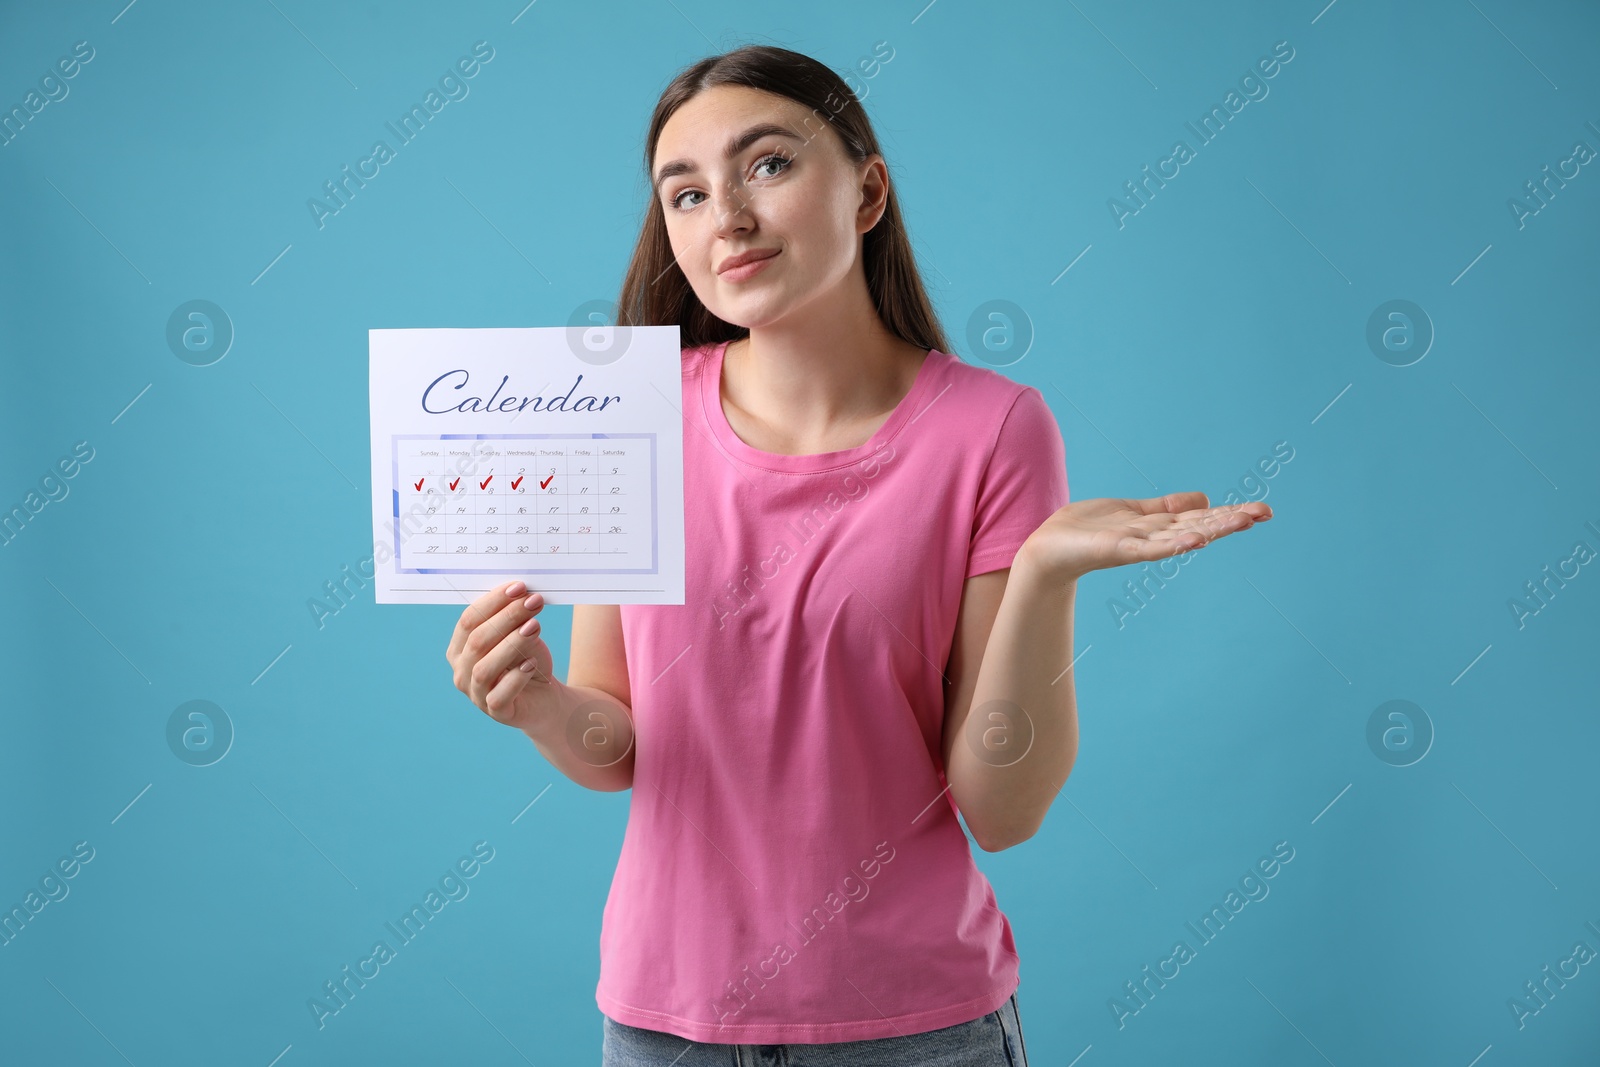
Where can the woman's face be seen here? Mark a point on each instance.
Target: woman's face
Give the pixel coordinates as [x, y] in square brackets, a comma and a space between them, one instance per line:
[797, 195]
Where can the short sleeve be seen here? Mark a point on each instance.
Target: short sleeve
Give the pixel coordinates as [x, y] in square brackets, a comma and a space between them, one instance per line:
[1023, 484]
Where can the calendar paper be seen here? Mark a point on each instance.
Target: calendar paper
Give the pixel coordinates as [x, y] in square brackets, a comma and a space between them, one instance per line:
[551, 454]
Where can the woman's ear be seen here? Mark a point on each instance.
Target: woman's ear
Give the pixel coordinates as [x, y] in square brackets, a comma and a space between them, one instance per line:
[874, 193]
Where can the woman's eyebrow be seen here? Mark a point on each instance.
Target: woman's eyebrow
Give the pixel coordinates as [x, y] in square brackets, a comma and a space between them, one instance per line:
[736, 145]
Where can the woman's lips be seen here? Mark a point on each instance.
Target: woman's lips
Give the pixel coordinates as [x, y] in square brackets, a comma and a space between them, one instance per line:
[740, 273]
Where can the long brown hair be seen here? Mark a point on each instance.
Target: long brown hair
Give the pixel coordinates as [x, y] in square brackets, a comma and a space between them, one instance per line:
[655, 291]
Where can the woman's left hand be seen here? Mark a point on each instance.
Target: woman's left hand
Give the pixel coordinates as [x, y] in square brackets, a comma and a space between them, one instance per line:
[1091, 535]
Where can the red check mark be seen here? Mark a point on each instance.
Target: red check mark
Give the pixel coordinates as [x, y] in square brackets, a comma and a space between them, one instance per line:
[419, 484]
[455, 483]
[546, 482]
[485, 483]
[517, 482]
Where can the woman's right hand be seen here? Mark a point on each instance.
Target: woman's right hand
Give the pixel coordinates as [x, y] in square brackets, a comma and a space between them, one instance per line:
[500, 659]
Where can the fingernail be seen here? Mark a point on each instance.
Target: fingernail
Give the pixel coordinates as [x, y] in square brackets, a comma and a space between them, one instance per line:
[532, 602]
[527, 665]
[529, 626]
[515, 589]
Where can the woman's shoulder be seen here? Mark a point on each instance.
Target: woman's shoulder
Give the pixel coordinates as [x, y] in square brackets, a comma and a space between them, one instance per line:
[978, 385]
[989, 413]
[696, 356]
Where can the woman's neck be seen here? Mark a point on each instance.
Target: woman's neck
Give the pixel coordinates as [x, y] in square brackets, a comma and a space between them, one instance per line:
[823, 389]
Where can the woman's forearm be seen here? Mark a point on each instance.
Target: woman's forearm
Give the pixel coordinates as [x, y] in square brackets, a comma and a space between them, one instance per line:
[589, 738]
[1023, 696]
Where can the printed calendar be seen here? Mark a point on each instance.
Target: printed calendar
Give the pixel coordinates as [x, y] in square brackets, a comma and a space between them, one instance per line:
[542, 500]
[549, 454]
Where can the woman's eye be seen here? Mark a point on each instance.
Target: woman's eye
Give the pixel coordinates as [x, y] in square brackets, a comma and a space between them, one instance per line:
[772, 159]
[782, 162]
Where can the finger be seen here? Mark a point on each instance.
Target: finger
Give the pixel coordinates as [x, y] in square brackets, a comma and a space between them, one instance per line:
[1157, 524]
[1171, 504]
[515, 614]
[483, 638]
[1208, 525]
[506, 656]
[1222, 514]
[479, 611]
[1231, 517]
[1253, 508]
[501, 701]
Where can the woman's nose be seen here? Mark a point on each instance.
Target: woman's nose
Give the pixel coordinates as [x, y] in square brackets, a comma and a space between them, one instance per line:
[731, 208]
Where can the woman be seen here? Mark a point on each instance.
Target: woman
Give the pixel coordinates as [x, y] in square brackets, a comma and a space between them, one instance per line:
[881, 567]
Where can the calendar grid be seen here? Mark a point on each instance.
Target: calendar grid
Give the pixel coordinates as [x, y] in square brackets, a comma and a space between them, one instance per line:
[529, 504]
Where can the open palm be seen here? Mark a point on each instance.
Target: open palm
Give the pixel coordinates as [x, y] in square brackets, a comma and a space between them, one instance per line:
[1090, 535]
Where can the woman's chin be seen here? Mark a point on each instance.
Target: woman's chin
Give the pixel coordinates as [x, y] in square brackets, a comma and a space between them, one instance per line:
[749, 314]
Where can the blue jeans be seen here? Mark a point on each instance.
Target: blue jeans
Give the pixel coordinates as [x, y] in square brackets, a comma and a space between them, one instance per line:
[993, 1040]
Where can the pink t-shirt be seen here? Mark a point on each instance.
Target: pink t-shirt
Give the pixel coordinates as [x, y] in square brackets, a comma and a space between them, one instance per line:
[793, 870]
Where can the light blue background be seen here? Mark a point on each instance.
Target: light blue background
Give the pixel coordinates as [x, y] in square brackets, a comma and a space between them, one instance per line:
[1228, 315]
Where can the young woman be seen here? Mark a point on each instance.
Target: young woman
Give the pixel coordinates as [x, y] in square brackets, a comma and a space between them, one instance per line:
[881, 569]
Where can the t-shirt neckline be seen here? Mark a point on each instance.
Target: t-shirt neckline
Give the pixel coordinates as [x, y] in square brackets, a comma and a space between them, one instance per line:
[711, 403]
